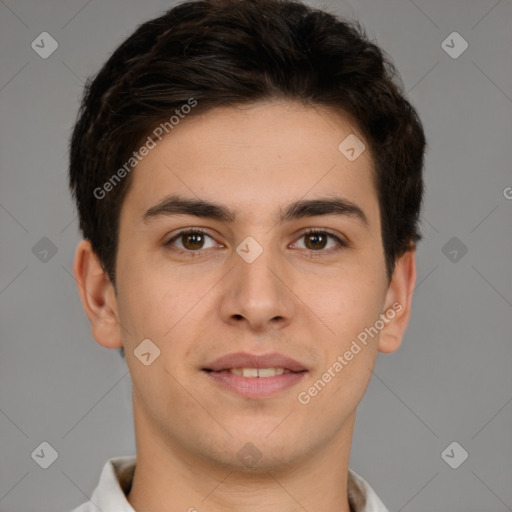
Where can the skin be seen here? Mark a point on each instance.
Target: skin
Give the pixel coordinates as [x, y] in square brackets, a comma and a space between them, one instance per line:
[305, 301]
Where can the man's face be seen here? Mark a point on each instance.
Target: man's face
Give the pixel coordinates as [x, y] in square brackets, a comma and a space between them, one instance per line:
[201, 296]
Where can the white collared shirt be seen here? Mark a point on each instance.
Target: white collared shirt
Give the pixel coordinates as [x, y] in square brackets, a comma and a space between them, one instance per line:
[117, 475]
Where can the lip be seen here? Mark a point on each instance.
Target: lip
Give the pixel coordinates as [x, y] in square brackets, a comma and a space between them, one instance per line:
[246, 360]
[255, 387]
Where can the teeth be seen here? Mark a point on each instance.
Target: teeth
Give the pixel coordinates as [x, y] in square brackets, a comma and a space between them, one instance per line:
[258, 372]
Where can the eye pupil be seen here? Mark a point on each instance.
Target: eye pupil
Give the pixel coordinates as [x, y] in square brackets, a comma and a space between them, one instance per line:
[197, 240]
[319, 240]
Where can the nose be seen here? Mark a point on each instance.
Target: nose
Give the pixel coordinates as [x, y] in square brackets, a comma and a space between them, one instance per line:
[257, 294]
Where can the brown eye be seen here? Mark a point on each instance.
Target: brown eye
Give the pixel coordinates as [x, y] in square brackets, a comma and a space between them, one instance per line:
[315, 240]
[192, 241]
[321, 242]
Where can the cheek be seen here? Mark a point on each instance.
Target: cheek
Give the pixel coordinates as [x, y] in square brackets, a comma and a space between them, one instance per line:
[350, 302]
[350, 308]
[141, 300]
[160, 304]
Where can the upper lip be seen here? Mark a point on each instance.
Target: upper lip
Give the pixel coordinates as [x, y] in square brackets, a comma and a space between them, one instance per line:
[245, 360]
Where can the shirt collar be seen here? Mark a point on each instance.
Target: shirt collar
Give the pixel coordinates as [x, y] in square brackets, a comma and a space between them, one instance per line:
[117, 475]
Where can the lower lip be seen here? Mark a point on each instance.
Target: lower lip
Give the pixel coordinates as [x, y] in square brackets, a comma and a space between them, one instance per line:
[256, 387]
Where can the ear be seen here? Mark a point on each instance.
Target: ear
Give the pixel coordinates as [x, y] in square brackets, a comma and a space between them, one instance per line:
[98, 296]
[397, 305]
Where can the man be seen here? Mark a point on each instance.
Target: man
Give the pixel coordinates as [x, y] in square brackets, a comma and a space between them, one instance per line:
[249, 180]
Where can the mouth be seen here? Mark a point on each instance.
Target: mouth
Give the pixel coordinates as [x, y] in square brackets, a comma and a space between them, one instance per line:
[255, 375]
[255, 383]
[252, 373]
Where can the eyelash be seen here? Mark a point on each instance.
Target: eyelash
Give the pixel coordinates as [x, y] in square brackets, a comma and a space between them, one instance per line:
[199, 252]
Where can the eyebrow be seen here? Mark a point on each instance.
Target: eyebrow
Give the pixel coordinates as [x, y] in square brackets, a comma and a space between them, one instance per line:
[178, 205]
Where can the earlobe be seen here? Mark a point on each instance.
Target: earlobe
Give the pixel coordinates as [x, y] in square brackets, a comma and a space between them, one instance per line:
[97, 296]
[397, 309]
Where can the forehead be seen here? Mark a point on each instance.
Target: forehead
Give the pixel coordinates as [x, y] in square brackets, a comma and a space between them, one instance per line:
[255, 158]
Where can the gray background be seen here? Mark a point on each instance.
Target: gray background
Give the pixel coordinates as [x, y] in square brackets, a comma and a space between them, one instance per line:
[451, 379]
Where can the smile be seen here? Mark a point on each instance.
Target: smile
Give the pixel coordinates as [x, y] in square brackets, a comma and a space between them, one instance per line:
[255, 382]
